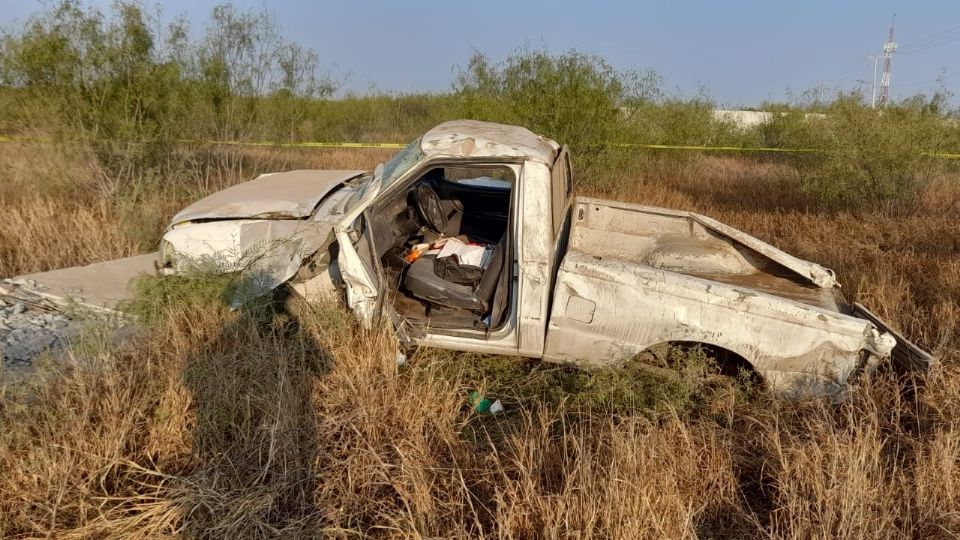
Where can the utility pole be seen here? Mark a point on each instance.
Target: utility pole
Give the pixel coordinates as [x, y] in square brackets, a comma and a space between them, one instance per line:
[873, 85]
[889, 48]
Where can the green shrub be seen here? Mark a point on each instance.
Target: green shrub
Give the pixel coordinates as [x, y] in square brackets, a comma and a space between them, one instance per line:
[131, 93]
[863, 156]
[202, 290]
[148, 107]
[687, 386]
[376, 117]
[573, 98]
[679, 122]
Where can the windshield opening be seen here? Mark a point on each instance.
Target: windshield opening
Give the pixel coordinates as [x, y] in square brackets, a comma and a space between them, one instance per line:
[401, 163]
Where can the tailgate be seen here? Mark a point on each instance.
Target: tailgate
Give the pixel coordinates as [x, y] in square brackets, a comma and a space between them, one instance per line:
[906, 355]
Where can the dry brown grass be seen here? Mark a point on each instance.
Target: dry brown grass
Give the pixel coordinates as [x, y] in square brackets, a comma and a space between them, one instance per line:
[55, 215]
[41, 233]
[906, 267]
[235, 426]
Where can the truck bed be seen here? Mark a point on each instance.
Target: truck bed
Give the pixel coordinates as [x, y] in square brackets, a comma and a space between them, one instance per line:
[679, 242]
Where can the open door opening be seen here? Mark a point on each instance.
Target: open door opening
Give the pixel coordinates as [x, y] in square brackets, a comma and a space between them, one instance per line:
[445, 248]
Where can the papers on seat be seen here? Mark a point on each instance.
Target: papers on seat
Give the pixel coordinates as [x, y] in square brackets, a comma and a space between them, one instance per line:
[466, 254]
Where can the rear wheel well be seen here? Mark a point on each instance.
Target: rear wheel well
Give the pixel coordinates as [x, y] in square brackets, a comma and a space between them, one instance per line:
[728, 362]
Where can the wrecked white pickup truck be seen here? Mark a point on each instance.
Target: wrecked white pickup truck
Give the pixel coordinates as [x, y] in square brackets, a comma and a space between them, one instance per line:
[471, 239]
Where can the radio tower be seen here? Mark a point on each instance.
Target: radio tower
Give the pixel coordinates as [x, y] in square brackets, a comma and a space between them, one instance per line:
[889, 48]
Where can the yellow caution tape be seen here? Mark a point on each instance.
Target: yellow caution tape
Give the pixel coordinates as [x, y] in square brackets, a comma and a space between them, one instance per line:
[309, 144]
[316, 144]
[941, 155]
[617, 145]
[4, 138]
[714, 148]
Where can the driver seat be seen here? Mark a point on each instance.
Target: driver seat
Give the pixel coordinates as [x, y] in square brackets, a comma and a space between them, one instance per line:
[425, 284]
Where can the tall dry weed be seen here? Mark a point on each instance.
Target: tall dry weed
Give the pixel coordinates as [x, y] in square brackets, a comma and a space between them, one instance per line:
[43, 233]
[258, 425]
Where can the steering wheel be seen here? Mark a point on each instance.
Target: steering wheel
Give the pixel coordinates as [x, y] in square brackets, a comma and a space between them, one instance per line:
[427, 205]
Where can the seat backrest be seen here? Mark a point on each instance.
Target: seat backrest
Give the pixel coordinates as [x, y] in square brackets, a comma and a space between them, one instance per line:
[491, 275]
[501, 294]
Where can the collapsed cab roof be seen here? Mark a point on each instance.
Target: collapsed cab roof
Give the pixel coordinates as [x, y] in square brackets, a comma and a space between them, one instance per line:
[475, 139]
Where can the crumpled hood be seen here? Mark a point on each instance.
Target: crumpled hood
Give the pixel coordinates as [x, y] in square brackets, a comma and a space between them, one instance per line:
[286, 195]
[268, 252]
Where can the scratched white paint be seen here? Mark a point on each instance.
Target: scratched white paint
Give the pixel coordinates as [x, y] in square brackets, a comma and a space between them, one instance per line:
[632, 276]
[793, 345]
[472, 139]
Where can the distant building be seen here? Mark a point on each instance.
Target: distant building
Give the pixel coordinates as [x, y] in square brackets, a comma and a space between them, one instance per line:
[748, 119]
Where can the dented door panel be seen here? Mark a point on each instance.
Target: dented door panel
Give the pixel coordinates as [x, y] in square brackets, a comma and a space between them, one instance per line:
[359, 279]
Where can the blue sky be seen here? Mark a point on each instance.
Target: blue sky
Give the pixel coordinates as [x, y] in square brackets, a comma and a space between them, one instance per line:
[742, 52]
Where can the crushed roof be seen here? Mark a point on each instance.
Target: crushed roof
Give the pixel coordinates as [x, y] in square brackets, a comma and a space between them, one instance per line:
[472, 138]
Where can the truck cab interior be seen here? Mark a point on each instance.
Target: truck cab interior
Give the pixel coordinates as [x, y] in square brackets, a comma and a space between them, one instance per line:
[464, 205]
